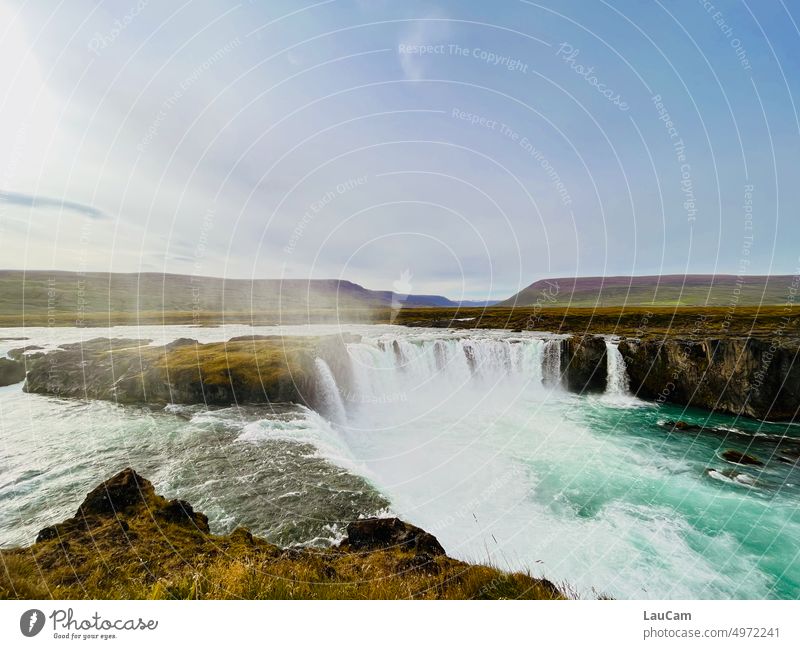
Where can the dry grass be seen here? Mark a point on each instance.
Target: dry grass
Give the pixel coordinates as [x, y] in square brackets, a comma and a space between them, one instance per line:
[624, 321]
[145, 551]
[170, 564]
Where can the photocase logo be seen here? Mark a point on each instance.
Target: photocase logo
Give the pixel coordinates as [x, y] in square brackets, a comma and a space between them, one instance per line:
[31, 622]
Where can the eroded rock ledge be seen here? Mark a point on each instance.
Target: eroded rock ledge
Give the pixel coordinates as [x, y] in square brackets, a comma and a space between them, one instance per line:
[751, 376]
[740, 376]
[249, 369]
[126, 541]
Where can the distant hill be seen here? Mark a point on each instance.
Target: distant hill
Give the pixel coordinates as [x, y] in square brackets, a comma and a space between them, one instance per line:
[68, 295]
[655, 290]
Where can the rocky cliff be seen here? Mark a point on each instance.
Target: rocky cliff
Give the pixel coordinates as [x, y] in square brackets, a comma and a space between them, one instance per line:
[259, 369]
[126, 541]
[741, 376]
[584, 363]
[747, 376]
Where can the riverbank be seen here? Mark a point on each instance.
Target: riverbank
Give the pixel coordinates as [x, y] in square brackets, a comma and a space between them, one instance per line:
[473, 435]
[751, 376]
[127, 542]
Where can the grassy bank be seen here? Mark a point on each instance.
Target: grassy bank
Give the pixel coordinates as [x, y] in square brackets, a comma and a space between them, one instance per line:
[127, 542]
[624, 321]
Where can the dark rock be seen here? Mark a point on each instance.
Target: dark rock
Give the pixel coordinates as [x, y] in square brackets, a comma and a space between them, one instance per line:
[181, 512]
[585, 364]
[126, 489]
[741, 376]
[380, 533]
[20, 352]
[124, 495]
[253, 371]
[737, 457]
[11, 372]
[47, 534]
[685, 427]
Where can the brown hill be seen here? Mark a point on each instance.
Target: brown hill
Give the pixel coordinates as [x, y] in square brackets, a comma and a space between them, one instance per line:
[656, 290]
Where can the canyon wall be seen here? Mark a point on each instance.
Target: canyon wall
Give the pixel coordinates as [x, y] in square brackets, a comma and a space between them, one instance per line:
[251, 369]
[751, 376]
[740, 376]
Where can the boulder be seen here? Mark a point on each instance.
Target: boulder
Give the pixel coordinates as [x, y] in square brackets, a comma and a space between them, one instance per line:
[685, 427]
[125, 495]
[128, 542]
[737, 457]
[11, 372]
[380, 533]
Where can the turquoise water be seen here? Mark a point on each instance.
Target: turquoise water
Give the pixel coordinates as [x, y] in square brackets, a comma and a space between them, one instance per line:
[469, 437]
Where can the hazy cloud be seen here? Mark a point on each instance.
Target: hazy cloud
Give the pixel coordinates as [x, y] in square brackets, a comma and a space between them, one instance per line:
[48, 203]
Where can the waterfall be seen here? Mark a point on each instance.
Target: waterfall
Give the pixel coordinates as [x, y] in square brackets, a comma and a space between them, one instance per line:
[389, 370]
[551, 363]
[397, 369]
[330, 400]
[617, 383]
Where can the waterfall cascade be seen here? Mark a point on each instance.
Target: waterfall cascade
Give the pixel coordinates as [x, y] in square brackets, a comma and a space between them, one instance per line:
[388, 370]
[551, 362]
[618, 383]
[330, 399]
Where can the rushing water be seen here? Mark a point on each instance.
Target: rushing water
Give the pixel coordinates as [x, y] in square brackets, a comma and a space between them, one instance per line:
[618, 381]
[468, 435]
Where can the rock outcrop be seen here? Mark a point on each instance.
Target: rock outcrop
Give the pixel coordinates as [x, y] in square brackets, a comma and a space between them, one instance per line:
[126, 541]
[740, 376]
[737, 375]
[380, 533]
[259, 369]
[123, 495]
[585, 364]
[29, 351]
[11, 372]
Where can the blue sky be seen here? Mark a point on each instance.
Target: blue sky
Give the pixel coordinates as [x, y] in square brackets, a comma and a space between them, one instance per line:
[478, 146]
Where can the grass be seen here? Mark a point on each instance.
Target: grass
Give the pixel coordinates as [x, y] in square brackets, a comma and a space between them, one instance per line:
[636, 321]
[667, 290]
[248, 574]
[40, 298]
[114, 318]
[144, 551]
[246, 363]
[246, 370]
[624, 321]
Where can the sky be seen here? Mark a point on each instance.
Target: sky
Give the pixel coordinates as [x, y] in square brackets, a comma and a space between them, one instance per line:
[464, 148]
